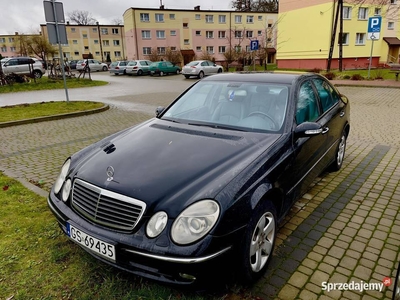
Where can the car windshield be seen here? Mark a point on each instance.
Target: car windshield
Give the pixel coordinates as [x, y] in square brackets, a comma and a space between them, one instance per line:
[249, 106]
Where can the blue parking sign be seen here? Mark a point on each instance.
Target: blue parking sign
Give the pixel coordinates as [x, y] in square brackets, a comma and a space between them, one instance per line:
[254, 45]
[374, 27]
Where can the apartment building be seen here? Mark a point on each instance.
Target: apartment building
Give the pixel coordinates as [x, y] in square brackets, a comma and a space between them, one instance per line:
[305, 31]
[194, 32]
[101, 41]
[10, 45]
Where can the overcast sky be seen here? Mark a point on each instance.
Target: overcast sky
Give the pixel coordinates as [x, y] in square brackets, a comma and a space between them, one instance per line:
[25, 16]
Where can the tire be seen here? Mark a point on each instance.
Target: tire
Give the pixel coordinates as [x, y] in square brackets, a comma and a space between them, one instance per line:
[219, 70]
[105, 68]
[124, 72]
[258, 243]
[161, 73]
[37, 74]
[201, 74]
[178, 72]
[339, 154]
[187, 76]
[140, 72]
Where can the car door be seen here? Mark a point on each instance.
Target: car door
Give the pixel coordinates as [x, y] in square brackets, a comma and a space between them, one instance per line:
[144, 66]
[94, 65]
[212, 68]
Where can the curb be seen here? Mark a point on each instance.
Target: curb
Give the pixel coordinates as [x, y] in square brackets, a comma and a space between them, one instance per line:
[55, 117]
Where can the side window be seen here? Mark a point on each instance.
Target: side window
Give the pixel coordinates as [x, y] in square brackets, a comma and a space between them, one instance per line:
[25, 61]
[325, 94]
[204, 63]
[12, 62]
[307, 104]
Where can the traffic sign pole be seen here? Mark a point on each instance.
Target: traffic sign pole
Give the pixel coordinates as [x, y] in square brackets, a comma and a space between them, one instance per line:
[370, 57]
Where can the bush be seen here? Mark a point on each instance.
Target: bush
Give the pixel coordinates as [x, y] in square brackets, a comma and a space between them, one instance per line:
[346, 77]
[330, 75]
[356, 77]
[379, 74]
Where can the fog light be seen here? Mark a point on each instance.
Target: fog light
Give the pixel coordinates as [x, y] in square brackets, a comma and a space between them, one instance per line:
[187, 276]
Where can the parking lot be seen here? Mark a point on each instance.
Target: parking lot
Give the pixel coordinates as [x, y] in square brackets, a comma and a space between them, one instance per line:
[345, 229]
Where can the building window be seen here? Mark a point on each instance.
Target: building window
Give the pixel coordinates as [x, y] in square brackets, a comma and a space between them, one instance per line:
[238, 19]
[198, 48]
[160, 34]
[161, 50]
[186, 41]
[76, 53]
[173, 33]
[94, 30]
[393, 1]
[116, 42]
[269, 25]
[209, 19]
[238, 34]
[97, 53]
[259, 18]
[222, 18]
[74, 41]
[360, 38]
[221, 49]
[117, 53]
[197, 16]
[104, 31]
[173, 48]
[185, 25]
[363, 13]
[146, 50]
[198, 32]
[172, 16]
[3, 49]
[86, 47]
[159, 17]
[146, 34]
[96, 41]
[248, 49]
[84, 36]
[259, 33]
[114, 30]
[210, 49]
[377, 11]
[144, 17]
[347, 12]
[250, 19]
[249, 34]
[345, 38]
[238, 48]
[73, 29]
[221, 34]
[390, 25]
[106, 43]
[11, 40]
[2, 40]
[107, 53]
[209, 34]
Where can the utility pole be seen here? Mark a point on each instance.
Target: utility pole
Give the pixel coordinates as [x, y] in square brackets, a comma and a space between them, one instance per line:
[338, 15]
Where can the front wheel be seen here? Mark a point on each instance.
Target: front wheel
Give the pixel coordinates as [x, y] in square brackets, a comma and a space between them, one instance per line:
[140, 72]
[37, 74]
[177, 72]
[339, 155]
[201, 74]
[258, 242]
[105, 68]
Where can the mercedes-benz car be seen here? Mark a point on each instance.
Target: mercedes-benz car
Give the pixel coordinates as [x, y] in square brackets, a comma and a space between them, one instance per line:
[201, 188]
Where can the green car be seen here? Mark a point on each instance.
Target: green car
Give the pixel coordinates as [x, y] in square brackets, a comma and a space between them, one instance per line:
[163, 68]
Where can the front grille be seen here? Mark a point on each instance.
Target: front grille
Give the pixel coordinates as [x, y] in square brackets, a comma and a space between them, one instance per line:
[106, 208]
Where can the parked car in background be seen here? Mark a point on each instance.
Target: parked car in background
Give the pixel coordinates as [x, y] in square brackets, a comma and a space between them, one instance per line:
[118, 67]
[199, 190]
[24, 66]
[72, 64]
[201, 68]
[163, 68]
[94, 65]
[138, 67]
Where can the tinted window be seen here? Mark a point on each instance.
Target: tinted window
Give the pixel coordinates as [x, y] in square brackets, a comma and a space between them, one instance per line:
[325, 94]
[307, 104]
[25, 61]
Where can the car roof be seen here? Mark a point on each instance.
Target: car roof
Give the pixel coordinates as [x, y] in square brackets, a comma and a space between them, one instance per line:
[272, 77]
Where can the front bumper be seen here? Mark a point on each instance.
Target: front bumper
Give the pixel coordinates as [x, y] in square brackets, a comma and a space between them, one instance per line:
[153, 259]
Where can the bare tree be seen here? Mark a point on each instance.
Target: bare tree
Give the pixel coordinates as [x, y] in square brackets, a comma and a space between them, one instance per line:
[154, 56]
[173, 56]
[387, 7]
[206, 56]
[256, 5]
[36, 45]
[117, 21]
[81, 17]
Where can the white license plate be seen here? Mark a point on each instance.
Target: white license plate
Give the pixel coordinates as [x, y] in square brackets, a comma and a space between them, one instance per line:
[99, 247]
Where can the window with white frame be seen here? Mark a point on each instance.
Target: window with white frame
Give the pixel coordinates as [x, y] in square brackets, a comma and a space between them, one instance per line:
[146, 34]
[238, 48]
[97, 53]
[185, 25]
[222, 49]
[114, 30]
[248, 49]
[198, 48]
[159, 17]
[259, 32]
[76, 53]
[360, 38]
[363, 13]
[106, 43]
[210, 49]
[377, 11]
[2, 40]
[96, 41]
[393, 1]
[104, 31]
[106, 53]
[222, 18]
[186, 41]
[390, 25]
[173, 33]
[347, 12]
[173, 48]
[146, 50]
[3, 49]
[249, 33]
[259, 18]
[117, 53]
[84, 35]
[74, 41]
[73, 29]
[238, 34]
[172, 16]
[160, 34]
[197, 16]
[198, 32]
[221, 34]
[86, 47]
[144, 17]
[116, 42]
[11, 40]
[345, 38]
[161, 50]
[209, 19]
[209, 34]
[250, 19]
[94, 30]
[238, 19]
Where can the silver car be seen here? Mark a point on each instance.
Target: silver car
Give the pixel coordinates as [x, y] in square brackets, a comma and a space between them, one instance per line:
[94, 65]
[201, 68]
[23, 66]
[138, 67]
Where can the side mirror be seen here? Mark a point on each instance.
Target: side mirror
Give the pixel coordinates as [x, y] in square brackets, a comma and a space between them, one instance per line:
[308, 129]
[159, 110]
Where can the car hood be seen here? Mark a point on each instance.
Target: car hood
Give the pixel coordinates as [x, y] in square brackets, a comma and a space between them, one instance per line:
[160, 162]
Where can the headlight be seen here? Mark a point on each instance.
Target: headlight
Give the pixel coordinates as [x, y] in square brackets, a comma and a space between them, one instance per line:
[60, 179]
[66, 189]
[195, 222]
[156, 224]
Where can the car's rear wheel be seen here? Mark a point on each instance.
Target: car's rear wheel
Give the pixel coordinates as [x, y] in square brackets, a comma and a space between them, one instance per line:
[105, 68]
[161, 73]
[220, 70]
[258, 242]
[140, 72]
[187, 76]
[201, 74]
[37, 74]
[339, 155]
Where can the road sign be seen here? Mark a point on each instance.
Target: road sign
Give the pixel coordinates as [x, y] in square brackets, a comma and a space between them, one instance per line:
[254, 45]
[374, 28]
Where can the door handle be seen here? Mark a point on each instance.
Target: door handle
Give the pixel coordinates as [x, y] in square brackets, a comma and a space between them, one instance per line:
[325, 130]
[342, 114]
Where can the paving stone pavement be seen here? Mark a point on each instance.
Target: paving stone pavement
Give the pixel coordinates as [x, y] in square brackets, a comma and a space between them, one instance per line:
[345, 229]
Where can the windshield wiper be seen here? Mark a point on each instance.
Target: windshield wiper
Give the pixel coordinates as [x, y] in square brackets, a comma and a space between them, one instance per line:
[216, 126]
[171, 120]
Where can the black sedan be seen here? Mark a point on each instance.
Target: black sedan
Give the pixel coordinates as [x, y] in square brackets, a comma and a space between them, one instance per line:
[201, 188]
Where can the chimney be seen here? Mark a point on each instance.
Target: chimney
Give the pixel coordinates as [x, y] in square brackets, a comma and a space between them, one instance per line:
[161, 6]
[197, 7]
[67, 22]
[16, 33]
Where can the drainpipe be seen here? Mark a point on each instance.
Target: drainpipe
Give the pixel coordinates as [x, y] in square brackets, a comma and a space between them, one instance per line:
[101, 45]
[122, 43]
[136, 38]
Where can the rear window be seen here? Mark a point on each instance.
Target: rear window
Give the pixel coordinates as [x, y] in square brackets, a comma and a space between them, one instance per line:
[132, 63]
[114, 64]
[193, 63]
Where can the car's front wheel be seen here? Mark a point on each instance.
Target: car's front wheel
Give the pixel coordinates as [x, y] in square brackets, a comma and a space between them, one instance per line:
[105, 68]
[258, 242]
[37, 74]
[177, 72]
[339, 155]
[161, 73]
